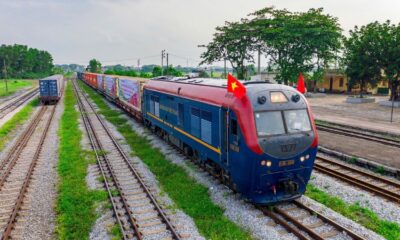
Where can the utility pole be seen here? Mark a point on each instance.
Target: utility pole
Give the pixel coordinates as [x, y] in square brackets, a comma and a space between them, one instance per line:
[393, 97]
[259, 62]
[167, 65]
[162, 61]
[138, 64]
[225, 67]
[5, 73]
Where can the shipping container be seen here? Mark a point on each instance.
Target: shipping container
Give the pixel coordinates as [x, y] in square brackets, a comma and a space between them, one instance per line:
[50, 88]
[110, 86]
[129, 93]
[100, 82]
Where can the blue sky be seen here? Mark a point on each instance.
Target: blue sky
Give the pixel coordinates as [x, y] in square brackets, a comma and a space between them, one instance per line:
[121, 31]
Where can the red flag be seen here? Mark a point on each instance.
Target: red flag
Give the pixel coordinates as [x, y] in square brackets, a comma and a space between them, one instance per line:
[300, 84]
[236, 87]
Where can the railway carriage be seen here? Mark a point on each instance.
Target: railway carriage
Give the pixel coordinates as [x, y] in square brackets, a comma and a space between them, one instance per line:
[50, 89]
[129, 94]
[91, 79]
[100, 82]
[111, 86]
[262, 145]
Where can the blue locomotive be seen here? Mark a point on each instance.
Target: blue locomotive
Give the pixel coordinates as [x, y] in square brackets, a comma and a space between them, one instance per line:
[262, 145]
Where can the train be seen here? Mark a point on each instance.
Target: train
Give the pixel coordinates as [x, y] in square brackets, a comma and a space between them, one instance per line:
[262, 145]
[50, 89]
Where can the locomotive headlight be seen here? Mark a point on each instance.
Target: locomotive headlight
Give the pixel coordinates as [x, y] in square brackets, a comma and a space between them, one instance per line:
[302, 158]
[266, 163]
[307, 156]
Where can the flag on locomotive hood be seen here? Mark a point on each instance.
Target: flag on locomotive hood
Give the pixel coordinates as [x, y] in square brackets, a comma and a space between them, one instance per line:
[236, 87]
[300, 84]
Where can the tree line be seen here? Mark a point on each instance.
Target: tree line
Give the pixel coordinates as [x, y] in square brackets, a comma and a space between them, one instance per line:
[20, 61]
[96, 67]
[309, 42]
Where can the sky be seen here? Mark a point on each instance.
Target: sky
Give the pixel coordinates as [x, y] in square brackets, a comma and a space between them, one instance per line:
[123, 31]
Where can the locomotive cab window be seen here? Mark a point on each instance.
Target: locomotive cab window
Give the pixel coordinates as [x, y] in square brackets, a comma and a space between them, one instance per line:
[282, 122]
[269, 123]
[297, 121]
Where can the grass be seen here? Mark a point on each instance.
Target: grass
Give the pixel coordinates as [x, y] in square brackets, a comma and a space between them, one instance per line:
[188, 195]
[17, 120]
[13, 86]
[76, 204]
[361, 215]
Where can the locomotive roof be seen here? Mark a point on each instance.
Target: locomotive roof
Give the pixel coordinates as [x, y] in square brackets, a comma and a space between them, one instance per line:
[212, 82]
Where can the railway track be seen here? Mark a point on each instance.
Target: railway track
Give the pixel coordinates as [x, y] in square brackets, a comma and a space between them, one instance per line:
[306, 223]
[135, 208]
[18, 101]
[17, 168]
[375, 184]
[360, 134]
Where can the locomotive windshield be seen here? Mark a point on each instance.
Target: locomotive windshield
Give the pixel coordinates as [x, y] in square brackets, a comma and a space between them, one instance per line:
[282, 122]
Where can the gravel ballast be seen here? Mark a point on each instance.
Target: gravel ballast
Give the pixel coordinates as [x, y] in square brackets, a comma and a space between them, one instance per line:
[186, 226]
[42, 192]
[240, 212]
[352, 195]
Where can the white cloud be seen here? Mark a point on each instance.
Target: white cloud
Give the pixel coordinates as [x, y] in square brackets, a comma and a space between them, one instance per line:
[75, 31]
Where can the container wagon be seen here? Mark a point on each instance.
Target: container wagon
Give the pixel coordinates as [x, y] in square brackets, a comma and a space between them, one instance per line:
[100, 83]
[129, 94]
[110, 86]
[50, 89]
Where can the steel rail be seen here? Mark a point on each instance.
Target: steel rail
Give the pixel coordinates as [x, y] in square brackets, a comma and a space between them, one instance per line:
[283, 218]
[356, 134]
[276, 215]
[15, 103]
[27, 179]
[96, 147]
[12, 156]
[336, 173]
[164, 218]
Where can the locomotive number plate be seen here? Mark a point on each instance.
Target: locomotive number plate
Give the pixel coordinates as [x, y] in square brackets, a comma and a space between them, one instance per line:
[286, 163]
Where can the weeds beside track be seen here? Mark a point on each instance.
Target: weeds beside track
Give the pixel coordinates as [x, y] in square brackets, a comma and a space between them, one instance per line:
[188, 195]
[17, 120]
[76, 204]
[355, 212]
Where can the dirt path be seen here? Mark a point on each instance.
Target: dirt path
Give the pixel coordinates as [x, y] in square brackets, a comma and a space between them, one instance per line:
[333, 108]
[376, 152]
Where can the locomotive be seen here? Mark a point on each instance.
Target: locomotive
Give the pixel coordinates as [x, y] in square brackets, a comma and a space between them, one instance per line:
[262, 145]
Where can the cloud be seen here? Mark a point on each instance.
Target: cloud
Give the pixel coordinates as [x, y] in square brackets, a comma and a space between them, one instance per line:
[76, 31]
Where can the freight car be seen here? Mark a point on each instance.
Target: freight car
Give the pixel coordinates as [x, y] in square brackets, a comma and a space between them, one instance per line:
[50, 89]
[262, 145]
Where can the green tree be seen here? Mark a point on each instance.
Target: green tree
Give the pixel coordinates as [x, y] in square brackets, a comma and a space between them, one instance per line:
[233, 42]
[20, 61]
[387, 49]
[94, 66]
[363, 65]
[296, 42]
[156, 71]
